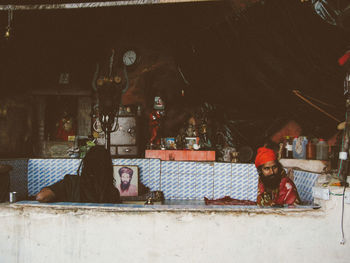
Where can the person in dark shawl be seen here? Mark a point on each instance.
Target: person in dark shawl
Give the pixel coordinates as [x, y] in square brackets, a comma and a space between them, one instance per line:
[94, 184]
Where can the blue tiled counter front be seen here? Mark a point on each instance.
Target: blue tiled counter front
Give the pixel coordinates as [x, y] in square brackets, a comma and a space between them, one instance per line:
[304, 182]
[44, 172]
[178, 180]
[196, 180]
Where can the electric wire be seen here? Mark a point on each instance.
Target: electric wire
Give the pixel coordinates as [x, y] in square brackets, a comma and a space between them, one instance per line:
[342, 144]
[319, 101]
[342, 242]
[331, 193]
[297, 93]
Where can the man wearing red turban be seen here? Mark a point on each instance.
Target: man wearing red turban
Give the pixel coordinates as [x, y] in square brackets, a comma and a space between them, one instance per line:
[274, 187]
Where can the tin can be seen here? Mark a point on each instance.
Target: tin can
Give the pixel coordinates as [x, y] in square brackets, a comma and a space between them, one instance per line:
[13, 197]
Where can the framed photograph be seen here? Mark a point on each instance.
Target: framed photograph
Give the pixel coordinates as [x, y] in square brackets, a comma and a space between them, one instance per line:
[158, 103]
[170, 143]
[126, 179]
[190, 141]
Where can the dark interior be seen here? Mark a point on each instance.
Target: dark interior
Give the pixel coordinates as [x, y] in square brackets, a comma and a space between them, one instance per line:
[242, 58]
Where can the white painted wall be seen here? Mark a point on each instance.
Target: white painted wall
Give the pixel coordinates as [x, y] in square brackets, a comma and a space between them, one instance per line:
[33, 235]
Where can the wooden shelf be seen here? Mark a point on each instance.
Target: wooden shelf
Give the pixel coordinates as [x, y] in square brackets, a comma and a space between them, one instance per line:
[316, 166]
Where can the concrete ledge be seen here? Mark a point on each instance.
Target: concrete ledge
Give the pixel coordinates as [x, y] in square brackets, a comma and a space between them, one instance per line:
[40, 233]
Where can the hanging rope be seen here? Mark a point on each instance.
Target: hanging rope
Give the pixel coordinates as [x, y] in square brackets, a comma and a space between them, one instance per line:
[297, 93]
[111, 61]
[320, 101]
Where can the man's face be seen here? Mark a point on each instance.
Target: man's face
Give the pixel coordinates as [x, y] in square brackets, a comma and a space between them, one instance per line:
[125, 178]
[270, 168]
[270, 175]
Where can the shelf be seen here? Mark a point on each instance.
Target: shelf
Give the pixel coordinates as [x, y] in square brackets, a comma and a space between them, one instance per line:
[181, 155]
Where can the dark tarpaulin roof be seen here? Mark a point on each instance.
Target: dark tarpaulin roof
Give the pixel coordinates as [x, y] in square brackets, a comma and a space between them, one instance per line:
[245, 56]
[250, 64]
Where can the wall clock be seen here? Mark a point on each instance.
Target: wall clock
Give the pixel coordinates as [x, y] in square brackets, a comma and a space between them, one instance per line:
[129, 57]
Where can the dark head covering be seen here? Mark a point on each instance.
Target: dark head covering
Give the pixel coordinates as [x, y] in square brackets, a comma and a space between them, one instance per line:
[126, 170]
[97, 181]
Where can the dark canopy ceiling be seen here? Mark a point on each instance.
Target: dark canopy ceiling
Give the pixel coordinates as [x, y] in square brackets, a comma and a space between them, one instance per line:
[44, 41]
[248, 60]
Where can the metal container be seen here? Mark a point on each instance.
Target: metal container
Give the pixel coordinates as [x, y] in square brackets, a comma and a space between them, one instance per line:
[124, 139]
[126, 150]
[126, 132]
[13, 197]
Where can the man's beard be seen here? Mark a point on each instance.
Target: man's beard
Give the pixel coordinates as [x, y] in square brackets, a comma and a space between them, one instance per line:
[124, 186]
[271, 181]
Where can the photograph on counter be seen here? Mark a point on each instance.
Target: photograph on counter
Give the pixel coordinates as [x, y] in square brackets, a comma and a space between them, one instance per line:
[170, 143]
[192, 142]
[126, 179]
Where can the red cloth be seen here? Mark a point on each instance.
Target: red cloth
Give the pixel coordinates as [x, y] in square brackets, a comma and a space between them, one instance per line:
[228, 201]
[62, 133]
[343, 59]
[264, 155]
[286, 193]
[154, 125]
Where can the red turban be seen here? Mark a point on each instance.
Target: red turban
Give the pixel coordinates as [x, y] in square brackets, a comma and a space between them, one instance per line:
[264, 155]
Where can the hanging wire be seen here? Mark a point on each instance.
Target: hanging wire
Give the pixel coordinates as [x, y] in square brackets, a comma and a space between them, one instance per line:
[182, 75]
[10, 17]
[127, 81]
[342, 242]
[111, 61]
[342, 144]
[9, 20]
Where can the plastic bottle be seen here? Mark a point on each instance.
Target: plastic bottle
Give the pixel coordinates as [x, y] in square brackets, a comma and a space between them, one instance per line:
[295, 155]
[305, 141]
[322, 150]
[310, 150]
[299, 147]
[288, 148]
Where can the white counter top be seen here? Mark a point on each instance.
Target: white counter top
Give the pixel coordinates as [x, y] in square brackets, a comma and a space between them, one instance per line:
[168, 206]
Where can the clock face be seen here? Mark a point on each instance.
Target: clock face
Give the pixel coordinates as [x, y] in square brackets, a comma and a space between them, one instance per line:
[129, 57]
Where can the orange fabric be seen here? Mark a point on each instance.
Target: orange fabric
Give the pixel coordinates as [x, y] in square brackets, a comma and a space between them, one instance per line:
[264, 155]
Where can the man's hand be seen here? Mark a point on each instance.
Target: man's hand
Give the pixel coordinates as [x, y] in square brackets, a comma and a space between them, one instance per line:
[45, 195]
